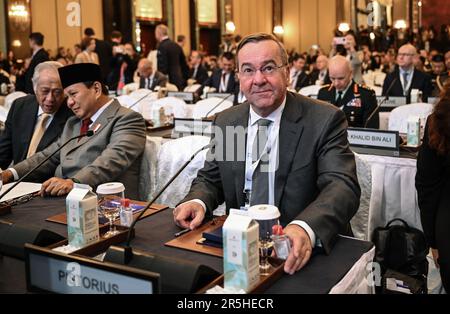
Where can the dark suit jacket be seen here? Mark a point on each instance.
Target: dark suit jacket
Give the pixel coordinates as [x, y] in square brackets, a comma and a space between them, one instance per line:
[433, 191]
[356, 116]
[215, 79]
[104, 52]
[19, 129]
[116, 65]
[316, 179]
[420, 81]
[314, 76]
[39, 57]
[201, 75]
[172, 62]
[159, 80]
[302, 81]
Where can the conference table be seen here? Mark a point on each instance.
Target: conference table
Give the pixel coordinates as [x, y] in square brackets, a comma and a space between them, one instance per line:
[343, 271]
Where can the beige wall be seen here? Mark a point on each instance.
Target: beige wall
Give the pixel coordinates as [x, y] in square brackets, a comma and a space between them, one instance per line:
[251, 16]
[308, 22]
[182, 22]
[49, 18]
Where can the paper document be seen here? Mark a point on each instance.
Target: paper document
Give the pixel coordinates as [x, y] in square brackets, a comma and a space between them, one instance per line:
[24, 188]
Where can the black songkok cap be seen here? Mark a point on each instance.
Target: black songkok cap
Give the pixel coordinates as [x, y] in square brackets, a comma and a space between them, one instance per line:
[80, 73]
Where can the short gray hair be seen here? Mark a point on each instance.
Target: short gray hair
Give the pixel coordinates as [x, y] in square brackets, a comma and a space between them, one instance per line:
[259, 37]
[48, 65]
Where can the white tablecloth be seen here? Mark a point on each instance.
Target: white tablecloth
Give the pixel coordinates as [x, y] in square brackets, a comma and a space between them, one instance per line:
[388, 192]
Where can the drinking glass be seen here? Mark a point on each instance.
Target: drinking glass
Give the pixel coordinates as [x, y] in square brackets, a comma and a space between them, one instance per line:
[110, 196]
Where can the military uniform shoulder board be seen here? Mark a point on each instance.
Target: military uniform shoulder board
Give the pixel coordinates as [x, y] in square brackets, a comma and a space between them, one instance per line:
[364, 86]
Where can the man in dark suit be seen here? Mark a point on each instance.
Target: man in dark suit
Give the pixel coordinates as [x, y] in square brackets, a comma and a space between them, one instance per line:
[358, 102]
[224, 80]
[150, 79]
[320, 75]
[295, 147]
[171, 58]
[198, 72]
[36, 41]
[23, 135]
[406, 78]
[299, 77]
[439, 76]
[104, 51]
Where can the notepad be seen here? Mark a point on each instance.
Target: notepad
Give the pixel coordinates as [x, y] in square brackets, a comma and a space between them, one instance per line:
[22, 189]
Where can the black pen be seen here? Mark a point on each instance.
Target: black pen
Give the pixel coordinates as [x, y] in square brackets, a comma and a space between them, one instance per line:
[182, 232]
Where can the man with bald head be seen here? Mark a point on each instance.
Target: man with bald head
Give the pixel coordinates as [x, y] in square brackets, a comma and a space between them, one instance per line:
[357, 101]
[406, 78]
[320, 75]
[149, 78]
[171, 58]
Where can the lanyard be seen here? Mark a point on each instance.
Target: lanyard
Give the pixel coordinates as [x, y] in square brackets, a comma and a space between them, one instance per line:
[271, 149]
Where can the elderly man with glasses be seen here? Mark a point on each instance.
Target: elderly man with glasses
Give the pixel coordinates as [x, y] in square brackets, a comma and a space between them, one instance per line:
[35, 121]
[406, 78]
[282, 149]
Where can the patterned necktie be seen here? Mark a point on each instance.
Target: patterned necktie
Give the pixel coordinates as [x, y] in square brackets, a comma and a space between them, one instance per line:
[38, 134]
[405, 83]
[260, 180]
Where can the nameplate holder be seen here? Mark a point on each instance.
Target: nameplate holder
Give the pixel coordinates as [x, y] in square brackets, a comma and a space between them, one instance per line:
[186, 96]
[374, 142]
[226, 96]
[52, 272]
[392, 102]
[187, 127]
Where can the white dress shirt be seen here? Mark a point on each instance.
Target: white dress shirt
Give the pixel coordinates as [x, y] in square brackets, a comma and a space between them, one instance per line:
[275, 117]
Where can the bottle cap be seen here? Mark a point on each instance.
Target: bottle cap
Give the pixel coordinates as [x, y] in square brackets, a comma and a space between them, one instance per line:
[277, 230]
[125, 202]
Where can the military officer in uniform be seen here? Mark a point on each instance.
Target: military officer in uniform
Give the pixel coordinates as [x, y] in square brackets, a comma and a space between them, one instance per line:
[358, 102]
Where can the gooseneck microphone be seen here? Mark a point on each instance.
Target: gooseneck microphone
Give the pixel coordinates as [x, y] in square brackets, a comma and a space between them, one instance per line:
[88, 134]
[140, 99]
[210, 145]
[217, 106]
[178, 275]
[376, 110]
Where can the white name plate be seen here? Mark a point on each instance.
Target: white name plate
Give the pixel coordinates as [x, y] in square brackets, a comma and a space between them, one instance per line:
[392, 102]
[53, 272]
[192, 127]
[186, 96]
[227, 96]
[375, 142]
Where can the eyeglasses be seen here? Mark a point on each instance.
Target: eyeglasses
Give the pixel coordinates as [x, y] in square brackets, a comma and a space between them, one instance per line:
[55, 92]
[405, 55]
[267, 70]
